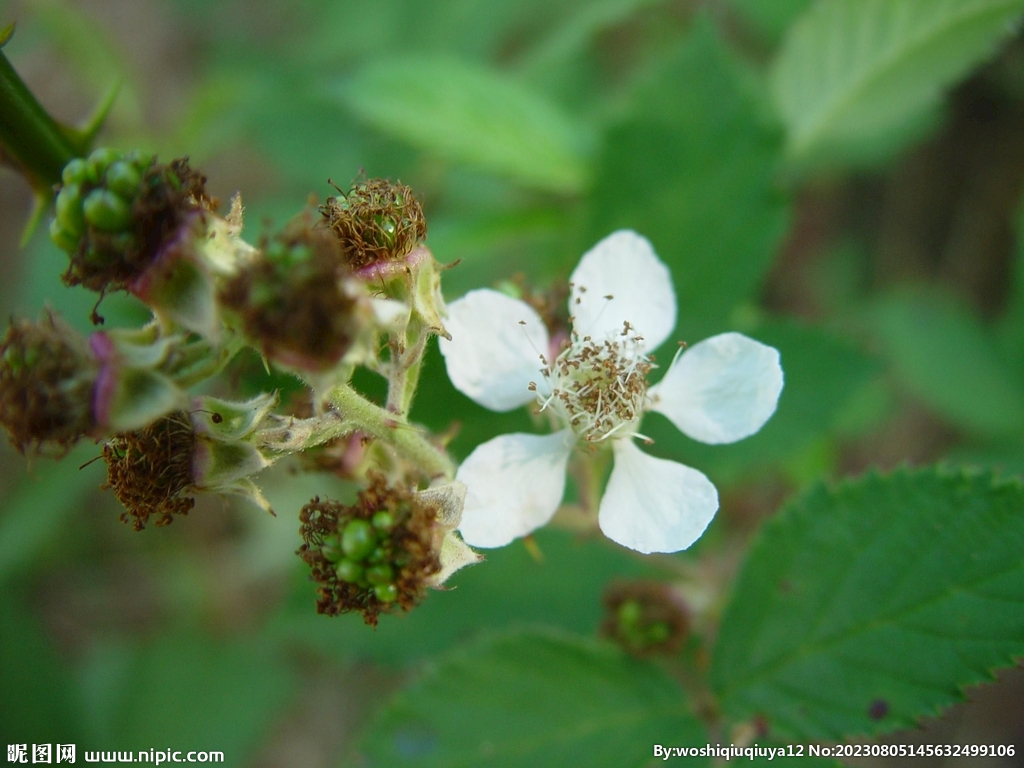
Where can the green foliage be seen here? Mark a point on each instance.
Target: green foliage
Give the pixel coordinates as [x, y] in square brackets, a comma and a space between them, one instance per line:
[854, 75]
[772, 19]
[472, 114]
[863, 608]
[535, 698]
[695, 174]
[943, 354]
[197, 692]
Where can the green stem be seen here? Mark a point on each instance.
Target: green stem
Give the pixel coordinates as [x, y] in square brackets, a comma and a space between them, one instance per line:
[391, 429]
[28, 135]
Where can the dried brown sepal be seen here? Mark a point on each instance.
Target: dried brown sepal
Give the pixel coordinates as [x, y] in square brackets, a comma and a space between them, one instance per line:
[150, 470]
[292, 302]
[47, 377]
[375, 221]
[407, 546]
[645, 618]
[168, 194]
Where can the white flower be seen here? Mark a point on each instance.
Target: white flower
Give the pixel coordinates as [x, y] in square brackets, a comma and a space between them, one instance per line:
[622, 305]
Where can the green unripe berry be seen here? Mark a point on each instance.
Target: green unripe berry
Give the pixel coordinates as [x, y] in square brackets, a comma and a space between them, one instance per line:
[383, 521]
[386, 593]
[349, 571]
[62, 238]
[358, 539]
[658, 632]
[630, 613]
[141, 160]
[69, 210]
[99, 160]
[75, 172]
[107, 211]
[331, 549]
[123, 179]
[380, 574]
[378, 555]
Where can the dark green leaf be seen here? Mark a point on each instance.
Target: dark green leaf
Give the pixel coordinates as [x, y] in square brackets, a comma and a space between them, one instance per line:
[533, 698]
[693, 170]
[944, 355]
[866, 607]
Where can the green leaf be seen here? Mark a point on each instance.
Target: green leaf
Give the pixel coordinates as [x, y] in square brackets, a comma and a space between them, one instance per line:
[944, 356]
[471, 114]
[863, 608]
[38, 699]
[693, 170]
[771, 19]
[533, 698]
[37, 508]
[194, 691]
[852, 72]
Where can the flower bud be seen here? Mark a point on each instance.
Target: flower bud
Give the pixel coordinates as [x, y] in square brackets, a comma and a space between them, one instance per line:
[385, 550]
[47, 375]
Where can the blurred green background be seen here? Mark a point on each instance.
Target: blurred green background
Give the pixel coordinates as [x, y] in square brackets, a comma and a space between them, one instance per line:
[880, 256]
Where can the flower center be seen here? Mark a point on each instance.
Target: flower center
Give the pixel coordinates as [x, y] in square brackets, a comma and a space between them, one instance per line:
[599, 388]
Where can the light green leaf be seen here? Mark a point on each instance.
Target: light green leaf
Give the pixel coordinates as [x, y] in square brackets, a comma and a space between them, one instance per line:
[863, 608]
[943, 355]
[852, 72]
[535, 698]
[471, 114]
[693, 170]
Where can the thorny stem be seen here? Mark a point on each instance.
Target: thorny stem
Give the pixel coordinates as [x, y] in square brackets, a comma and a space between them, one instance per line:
[390, 428]
[29, 137]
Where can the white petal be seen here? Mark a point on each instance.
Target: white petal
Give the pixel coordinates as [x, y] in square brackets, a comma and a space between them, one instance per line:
[514, 485]
[721, 390]
[655, 505]
[625, 268]
[495, 349]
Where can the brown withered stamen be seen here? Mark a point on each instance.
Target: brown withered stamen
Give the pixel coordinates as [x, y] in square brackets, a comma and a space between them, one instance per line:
[407, 546]
[47, 375]
[150, 470]
[297, 309]
[375, 221]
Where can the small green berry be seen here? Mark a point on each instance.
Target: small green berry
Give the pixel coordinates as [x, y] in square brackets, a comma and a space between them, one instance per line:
[69, 209]
[75, 172]
[358, 539]
[386, 593]
[630, 613]
[62, 238]
[107, 211]
[380, 574]
[99, 160]
[331, 549]
[659, 632]
[383, 521]
[123, 179]
[349, 571]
